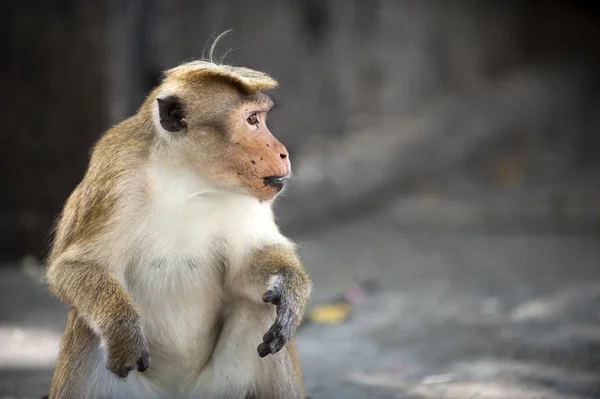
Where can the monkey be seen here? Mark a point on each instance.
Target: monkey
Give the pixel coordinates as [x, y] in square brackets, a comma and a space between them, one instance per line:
[178, 279]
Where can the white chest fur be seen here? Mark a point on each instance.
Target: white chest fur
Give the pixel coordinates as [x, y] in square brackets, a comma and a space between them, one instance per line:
[186, 242]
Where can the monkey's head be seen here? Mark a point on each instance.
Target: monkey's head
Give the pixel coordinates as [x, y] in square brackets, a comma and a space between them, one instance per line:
[214, 118]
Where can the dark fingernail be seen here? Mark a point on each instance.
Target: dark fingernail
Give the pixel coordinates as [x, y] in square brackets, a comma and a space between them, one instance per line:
[142, 365]
[263, 350]
[268, 296]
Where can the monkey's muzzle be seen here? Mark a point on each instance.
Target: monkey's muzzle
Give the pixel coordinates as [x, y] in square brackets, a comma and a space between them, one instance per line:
[275, 181]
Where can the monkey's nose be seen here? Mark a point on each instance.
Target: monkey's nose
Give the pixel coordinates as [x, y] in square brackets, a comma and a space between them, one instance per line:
[275, 181]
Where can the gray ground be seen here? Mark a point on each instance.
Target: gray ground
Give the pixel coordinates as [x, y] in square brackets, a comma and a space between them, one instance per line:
[453, 315]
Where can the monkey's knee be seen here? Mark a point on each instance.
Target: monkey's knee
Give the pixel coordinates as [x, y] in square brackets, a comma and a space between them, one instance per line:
[281, 376]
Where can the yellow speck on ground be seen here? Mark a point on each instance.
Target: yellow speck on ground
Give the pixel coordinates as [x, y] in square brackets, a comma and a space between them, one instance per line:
[329, 314]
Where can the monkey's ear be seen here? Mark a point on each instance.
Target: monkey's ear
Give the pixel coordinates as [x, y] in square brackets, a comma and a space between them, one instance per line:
[171, 113]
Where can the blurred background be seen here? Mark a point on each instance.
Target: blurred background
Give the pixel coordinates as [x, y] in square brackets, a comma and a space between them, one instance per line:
[446, 196]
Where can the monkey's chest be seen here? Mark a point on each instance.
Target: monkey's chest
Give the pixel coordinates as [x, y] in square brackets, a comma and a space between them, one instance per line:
[177, 278]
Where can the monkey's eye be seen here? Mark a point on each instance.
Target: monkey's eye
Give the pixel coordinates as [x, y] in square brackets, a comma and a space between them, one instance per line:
[252, 119]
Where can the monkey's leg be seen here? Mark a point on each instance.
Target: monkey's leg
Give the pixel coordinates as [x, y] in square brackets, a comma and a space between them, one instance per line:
[237, 371]
[74, 359]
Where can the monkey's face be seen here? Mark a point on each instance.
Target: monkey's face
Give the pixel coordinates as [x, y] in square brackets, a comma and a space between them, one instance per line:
[229, 143]
[253, 158]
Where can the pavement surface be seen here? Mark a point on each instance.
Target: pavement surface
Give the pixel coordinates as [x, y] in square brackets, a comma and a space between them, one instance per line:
[448, 314]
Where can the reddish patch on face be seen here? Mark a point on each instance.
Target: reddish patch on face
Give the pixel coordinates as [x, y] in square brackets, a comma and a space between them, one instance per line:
[244, 140]
[259, 178]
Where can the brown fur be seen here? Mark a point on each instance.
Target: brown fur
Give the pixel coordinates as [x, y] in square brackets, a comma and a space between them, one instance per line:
[297, 370]
[267, 262]
[89, 208]
[75, 357]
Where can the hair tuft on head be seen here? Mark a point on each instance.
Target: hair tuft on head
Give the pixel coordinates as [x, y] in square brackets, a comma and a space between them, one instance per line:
[213, 46]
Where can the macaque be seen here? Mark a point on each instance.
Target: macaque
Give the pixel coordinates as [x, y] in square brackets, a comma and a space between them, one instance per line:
[179, 281]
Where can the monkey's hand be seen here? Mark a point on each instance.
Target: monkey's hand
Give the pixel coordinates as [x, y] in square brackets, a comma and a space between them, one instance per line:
[289, 295]
[126, 348]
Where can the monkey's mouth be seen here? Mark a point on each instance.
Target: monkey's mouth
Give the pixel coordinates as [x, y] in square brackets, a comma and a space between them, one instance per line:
[275, 181]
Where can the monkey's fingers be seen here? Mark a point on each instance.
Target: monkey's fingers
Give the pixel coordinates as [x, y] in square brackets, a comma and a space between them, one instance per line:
[271, 296]
[270, 335]
[278, 343]
[273, 347]
[273, 340]
[121, 371]
[263, 350]
[143, 362]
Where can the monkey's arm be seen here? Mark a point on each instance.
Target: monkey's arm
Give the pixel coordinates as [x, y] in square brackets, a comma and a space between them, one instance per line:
[275, 275]
[103, 303]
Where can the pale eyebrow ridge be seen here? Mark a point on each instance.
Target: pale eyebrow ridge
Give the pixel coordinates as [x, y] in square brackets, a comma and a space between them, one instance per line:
[263, 101]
